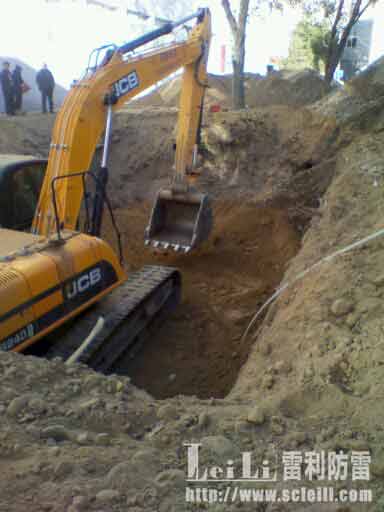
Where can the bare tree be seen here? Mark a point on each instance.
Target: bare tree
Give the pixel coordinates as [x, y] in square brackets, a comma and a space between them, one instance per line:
[238, 29]
[340, 30]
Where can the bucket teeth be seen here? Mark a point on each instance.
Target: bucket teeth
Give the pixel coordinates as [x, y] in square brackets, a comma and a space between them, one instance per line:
[166, 245]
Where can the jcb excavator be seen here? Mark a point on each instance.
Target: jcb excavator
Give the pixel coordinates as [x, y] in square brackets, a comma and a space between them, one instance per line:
[55, 272]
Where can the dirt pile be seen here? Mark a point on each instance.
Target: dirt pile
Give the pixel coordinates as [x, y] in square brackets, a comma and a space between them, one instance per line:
[359, 99]
[27, 135]
[294, 88]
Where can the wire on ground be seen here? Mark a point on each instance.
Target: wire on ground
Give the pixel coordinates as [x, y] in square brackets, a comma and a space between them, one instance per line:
[302, 274]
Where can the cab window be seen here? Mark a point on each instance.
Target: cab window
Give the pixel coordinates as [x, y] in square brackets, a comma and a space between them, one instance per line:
[26, 183]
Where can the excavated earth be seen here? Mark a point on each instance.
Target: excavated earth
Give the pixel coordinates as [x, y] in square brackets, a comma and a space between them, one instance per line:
[290, 185]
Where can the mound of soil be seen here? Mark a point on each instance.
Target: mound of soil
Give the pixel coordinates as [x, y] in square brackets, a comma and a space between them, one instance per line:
[294, 88]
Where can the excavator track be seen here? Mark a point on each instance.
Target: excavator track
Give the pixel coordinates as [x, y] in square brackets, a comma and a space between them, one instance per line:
[130, 313]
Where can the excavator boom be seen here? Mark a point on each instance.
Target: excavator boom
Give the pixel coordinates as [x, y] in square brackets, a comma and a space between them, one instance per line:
[82, 119]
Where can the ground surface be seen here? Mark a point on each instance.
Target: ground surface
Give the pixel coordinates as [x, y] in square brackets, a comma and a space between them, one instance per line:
[290, 187]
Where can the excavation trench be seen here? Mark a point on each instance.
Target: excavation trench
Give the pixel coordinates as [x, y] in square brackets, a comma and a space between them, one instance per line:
[199, 351]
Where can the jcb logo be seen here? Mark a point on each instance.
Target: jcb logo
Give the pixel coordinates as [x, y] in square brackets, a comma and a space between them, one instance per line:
[82, 283]
[126, 84]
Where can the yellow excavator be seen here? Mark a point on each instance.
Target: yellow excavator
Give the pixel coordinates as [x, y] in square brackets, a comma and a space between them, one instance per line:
[58, 272]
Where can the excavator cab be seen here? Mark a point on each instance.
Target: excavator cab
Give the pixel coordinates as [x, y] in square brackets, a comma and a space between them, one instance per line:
[21, 178]
[179, 221]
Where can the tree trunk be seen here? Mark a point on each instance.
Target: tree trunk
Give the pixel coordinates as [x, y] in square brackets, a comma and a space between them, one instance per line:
[330, 67]
[238, 29]
[238, 92]
[338, 44]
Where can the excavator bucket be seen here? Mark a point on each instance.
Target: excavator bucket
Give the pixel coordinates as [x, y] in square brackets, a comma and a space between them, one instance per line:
[179, 221]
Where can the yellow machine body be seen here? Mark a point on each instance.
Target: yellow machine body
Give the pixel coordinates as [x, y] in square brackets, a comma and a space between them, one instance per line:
[45, 283]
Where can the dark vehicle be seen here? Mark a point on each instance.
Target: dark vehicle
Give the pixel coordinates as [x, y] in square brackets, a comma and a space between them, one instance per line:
[21, 178]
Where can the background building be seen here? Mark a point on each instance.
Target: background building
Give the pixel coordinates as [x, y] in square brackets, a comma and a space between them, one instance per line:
[357, 52]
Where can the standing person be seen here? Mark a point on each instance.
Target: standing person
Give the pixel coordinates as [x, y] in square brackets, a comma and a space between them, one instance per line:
[7, 87]
[18, 83]
[46, 84]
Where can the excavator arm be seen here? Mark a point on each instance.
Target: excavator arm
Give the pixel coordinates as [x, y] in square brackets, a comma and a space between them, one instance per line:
[87, 111]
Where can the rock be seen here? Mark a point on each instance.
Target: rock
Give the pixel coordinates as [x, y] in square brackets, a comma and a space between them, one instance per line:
[167, 412]
[204, 420]
[146, 456]
[282, 367]
[57, 432]
[107, 495]
[378, 280]
[62, 469]
[294, 439]
[83, 438]
[187, 421]
[80, 503]
[370, 304]
[103, 439]
[377, 469]
[256, 416]
[341, 307]
[37, 405]
[119, 386]
[89, 404]
[268, 381]
[70, 370]
[129, 475]
[277, 425]
[17, 405]
[54, 451]
[8, 394]
[92, 381]
[219, 445]
[243, 427]
[172, 478]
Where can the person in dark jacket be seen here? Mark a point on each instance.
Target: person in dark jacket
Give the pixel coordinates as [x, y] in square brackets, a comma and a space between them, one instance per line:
[7, 88]
[46, 84]
[18, 82]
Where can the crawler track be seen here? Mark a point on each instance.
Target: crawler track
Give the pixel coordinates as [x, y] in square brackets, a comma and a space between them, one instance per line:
[130, 313]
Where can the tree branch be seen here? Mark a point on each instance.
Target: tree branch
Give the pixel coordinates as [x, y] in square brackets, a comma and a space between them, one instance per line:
[339, 14]
[368, 4]
[230, 17]
[243, 15]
